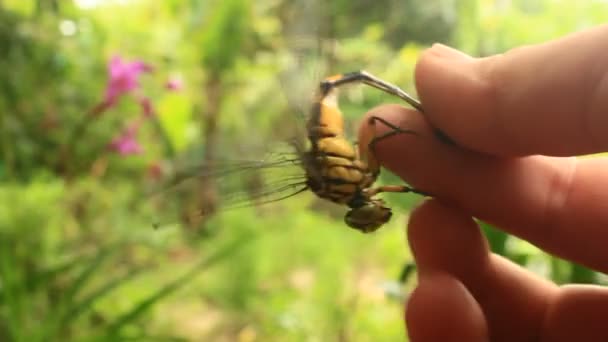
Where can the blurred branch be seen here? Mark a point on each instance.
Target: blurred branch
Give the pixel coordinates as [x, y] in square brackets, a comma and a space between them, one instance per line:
[223, 40]
[213, 92]
[8, 157]
[65, 162]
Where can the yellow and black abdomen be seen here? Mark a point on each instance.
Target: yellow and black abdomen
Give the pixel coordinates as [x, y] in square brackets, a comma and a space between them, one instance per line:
[337, 178]
[334, 170]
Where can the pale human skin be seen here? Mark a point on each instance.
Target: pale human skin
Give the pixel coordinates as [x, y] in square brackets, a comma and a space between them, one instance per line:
[517, 120]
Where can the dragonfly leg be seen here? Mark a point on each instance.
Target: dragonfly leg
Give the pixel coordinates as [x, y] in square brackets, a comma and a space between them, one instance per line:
[394, 188]
[408, 269]
[364, 77]
[395, 131]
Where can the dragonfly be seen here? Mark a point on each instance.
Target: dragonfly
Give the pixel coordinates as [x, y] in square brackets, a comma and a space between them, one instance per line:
[334, 169]
[323, 162]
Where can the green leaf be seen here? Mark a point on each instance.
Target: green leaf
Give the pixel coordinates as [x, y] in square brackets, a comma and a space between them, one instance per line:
[68, 302]
[87, 303]
[497, 239]
[13, 296]
[582, 275]
[115, 327]
[224, 35]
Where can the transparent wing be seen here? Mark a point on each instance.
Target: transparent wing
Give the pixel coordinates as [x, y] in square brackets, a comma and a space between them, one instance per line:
[222, 171]
[304, 49]
[232, 183]
[245, 183]
[278, 175]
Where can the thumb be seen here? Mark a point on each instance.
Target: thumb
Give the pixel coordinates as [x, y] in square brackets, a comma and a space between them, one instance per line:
[545, 99]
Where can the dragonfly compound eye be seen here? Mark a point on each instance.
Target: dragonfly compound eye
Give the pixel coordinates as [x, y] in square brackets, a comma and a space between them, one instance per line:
[368, 217]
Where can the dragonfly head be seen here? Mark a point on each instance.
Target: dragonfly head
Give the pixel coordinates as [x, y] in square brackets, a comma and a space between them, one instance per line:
[368, 217]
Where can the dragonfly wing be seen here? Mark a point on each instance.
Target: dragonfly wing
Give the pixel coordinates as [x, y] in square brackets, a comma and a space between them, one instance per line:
[234, 183]
[303, 46]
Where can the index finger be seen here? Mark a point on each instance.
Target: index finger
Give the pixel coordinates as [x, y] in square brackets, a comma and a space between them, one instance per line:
[549, 99]
[559, 204]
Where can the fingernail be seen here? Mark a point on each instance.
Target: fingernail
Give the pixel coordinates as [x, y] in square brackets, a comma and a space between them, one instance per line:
[444, 51]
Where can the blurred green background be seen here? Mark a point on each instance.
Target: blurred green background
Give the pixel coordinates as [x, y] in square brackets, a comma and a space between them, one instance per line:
[99, 100]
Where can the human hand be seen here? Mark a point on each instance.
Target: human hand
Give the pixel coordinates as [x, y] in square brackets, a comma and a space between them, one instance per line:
[516, 120]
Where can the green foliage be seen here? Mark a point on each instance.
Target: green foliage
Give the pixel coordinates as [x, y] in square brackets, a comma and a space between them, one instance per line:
[52, 283]
[79, 259]
[224, 35]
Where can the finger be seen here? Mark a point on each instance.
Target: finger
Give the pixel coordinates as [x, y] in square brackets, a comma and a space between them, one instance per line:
[558, 204]
[578, 314]
[514, 301]
[441, 309]
[547, 99]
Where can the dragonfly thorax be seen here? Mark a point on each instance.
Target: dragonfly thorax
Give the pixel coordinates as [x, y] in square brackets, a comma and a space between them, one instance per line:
[334, 170]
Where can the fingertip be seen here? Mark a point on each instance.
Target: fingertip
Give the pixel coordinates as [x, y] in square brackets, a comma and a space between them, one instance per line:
[439, 75]
[453, 90]
[370, 144]
[493, 105]
[444, 238]
[398, 152]
[577, 313]
[442, 309]
[437, 67]
[523, 196]
[394, 114]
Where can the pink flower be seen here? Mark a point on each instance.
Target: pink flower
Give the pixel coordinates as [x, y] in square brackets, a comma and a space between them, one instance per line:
[174, 84]
[123, 77]
[126, 143]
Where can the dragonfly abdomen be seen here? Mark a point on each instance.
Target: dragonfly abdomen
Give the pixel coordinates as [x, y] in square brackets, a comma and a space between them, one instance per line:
[339, 179]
